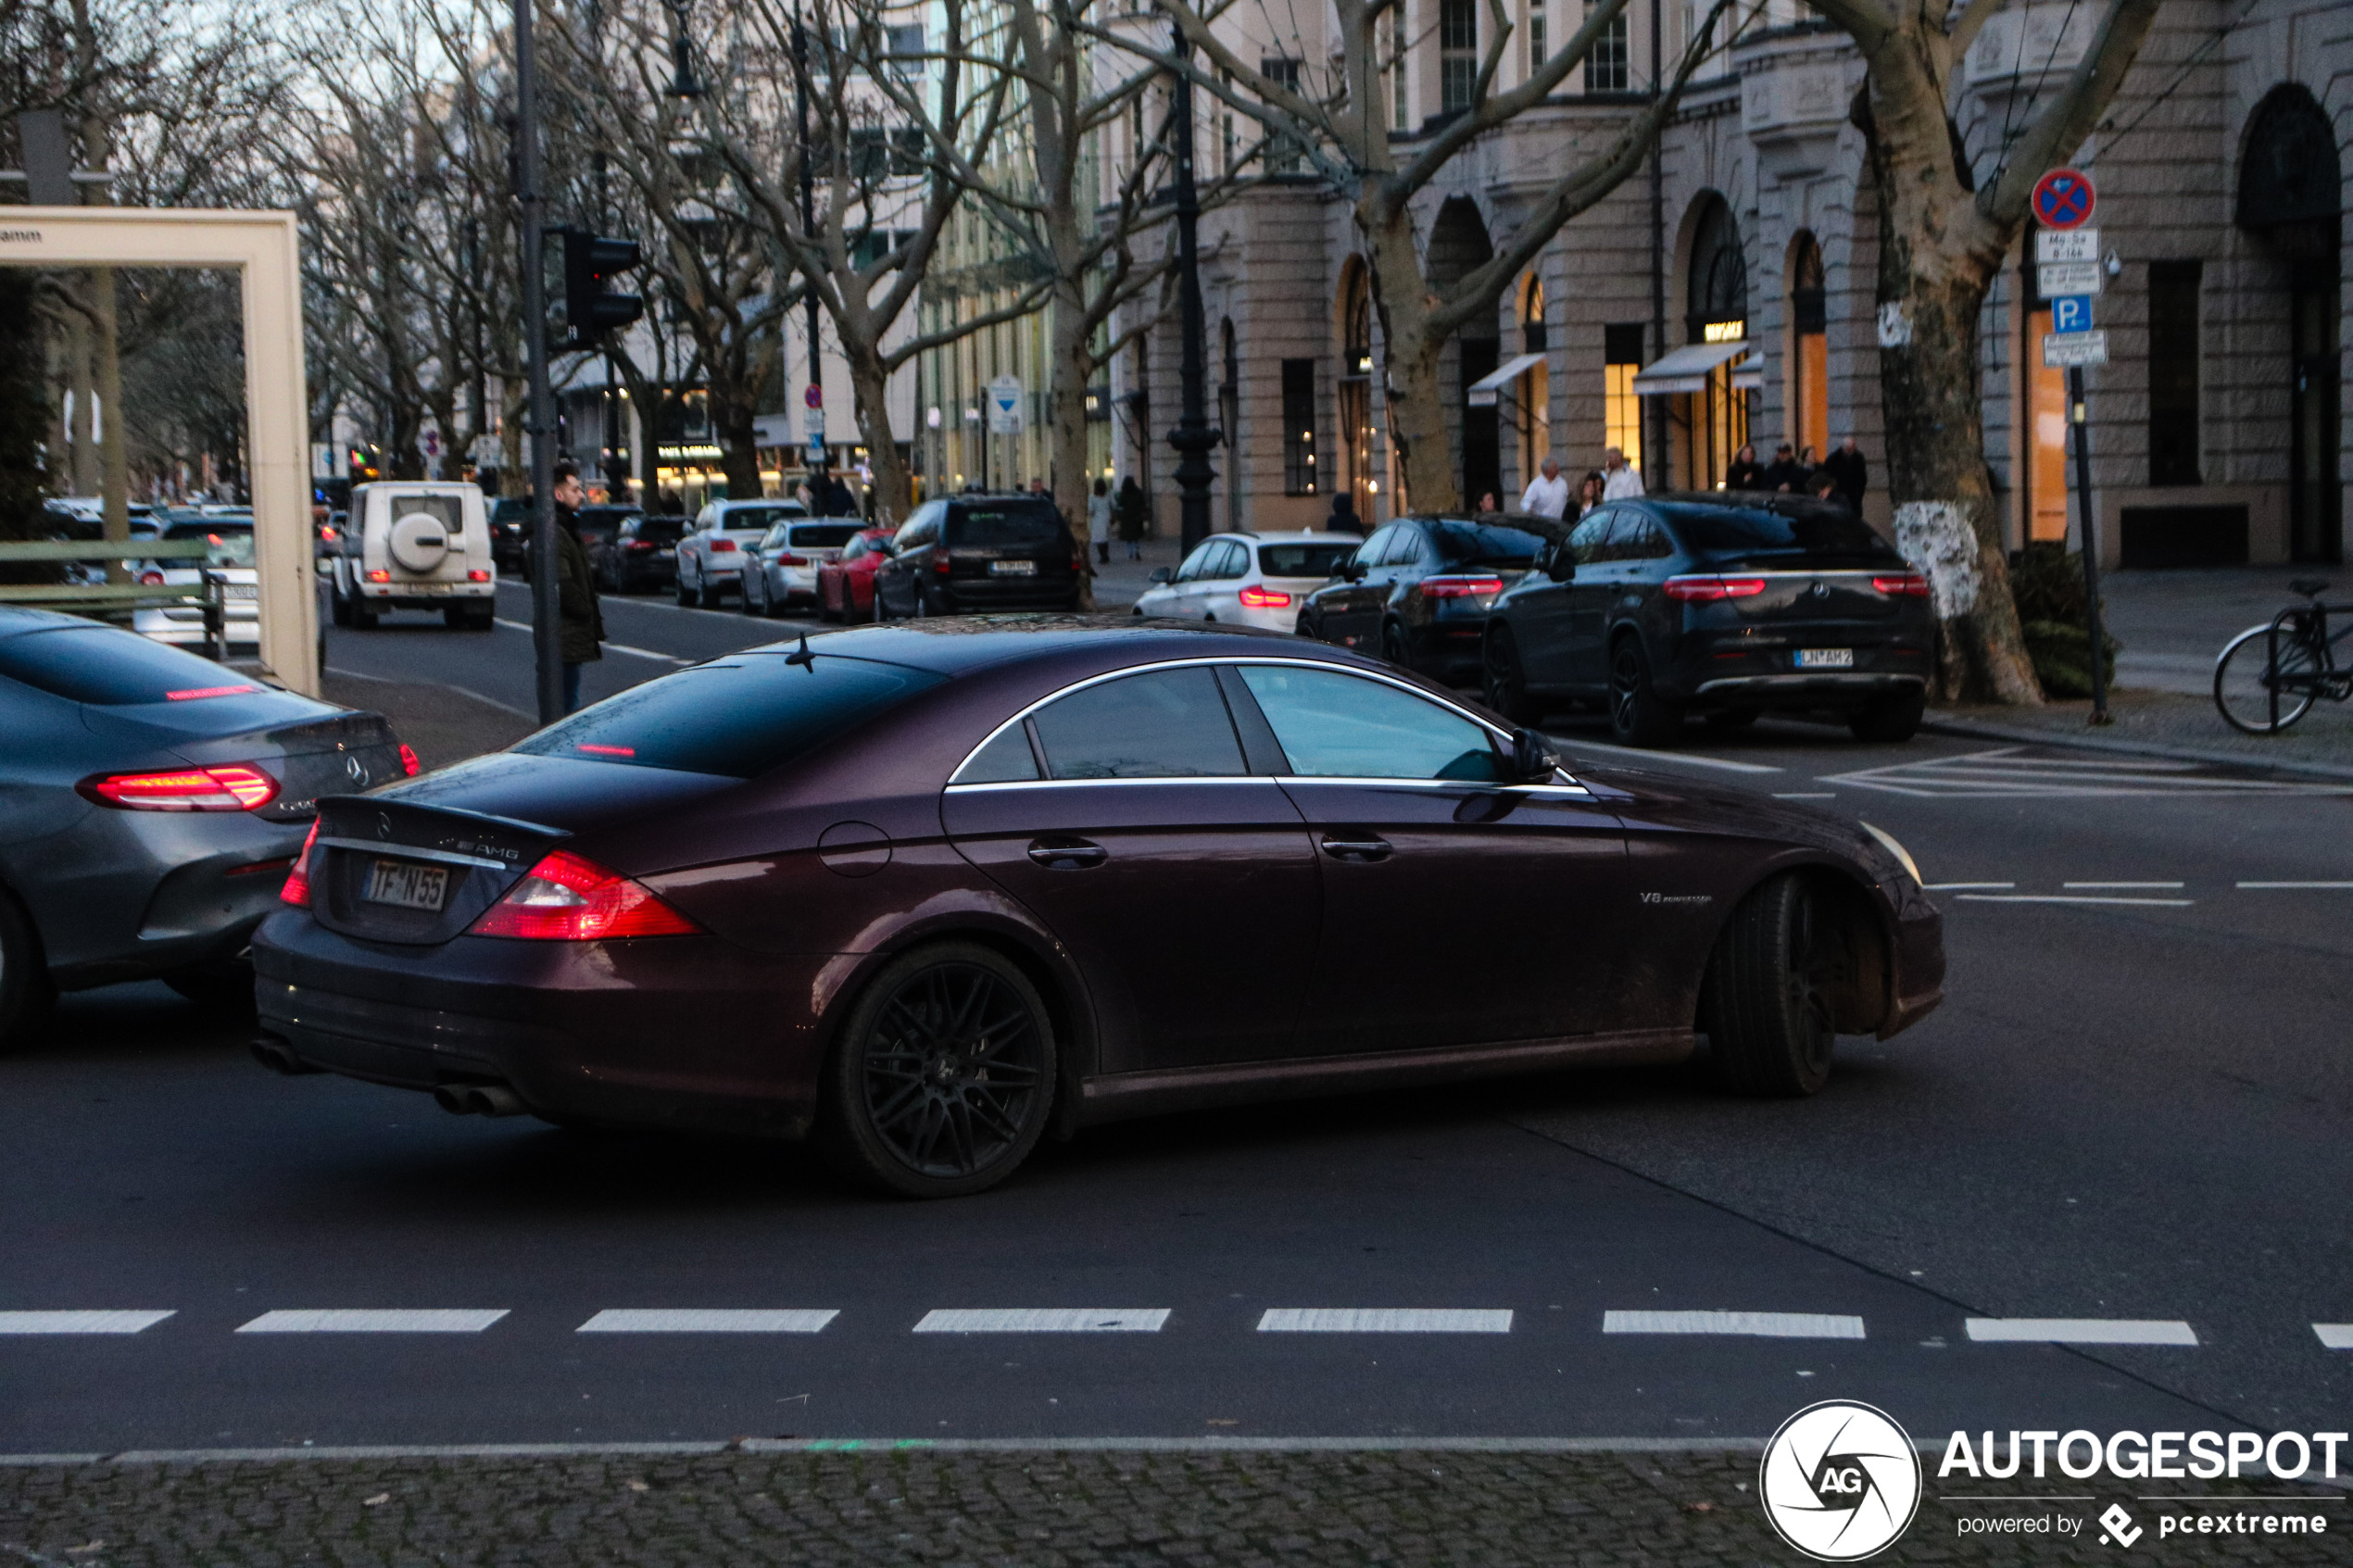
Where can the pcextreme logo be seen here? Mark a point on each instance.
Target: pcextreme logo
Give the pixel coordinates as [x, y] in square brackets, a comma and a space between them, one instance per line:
[1839, 1481]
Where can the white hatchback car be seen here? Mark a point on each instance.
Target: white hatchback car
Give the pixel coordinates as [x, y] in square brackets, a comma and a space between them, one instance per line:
[1247, 579]
[227, 538]
[710, 555]
[415, 544]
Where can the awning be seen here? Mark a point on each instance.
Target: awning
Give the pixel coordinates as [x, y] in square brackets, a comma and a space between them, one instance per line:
[1481, 393]
[1686, 369]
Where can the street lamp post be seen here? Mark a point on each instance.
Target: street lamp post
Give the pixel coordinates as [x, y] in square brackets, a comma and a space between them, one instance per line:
[1194, 436]
[546, 628]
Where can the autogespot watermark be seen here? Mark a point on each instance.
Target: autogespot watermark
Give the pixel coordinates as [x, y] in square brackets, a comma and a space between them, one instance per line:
[1841, 1480]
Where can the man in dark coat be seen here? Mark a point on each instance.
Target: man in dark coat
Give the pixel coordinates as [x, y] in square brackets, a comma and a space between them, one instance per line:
[1784, 473]
[583, 622]
[1854, 474]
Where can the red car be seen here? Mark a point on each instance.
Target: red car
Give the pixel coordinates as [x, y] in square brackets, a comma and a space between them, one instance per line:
[846, 588]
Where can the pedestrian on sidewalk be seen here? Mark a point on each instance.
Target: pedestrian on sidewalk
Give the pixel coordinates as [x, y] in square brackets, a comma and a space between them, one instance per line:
[1547, 494]
[1784, 473]
[1099, 521]
[1846, 465]
[1134, 516]
[578, 617]
[1621, 481]
[1745, 472]
[1591, 491]
[1344, 518]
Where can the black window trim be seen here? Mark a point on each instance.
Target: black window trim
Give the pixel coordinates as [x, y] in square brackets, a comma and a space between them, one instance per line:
[1572, 789]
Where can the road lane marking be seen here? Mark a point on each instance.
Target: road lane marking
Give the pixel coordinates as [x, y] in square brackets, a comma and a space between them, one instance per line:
[1806, 795]
[2336, 1336]
[1385, 1320]
[1573, 744]
[2123, 887]
[2079, 1331]
[1044, 1320]
[1768, 1326]
[1962, 886]
[2003, 772]
[708, 1319]
[614, 648]
[361, 1320]
[2068, 899]
[2290, 886]
[103, 1321]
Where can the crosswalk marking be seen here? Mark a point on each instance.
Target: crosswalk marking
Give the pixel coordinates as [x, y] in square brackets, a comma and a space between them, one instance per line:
[1384, 1320]
[103, 1321]
[397, 1320]
[708, 1319]
[2008, 771]
[2336, 1336]
[2293, 887]
[1767, 1326]
[2080, 1331]
[2068, 899]
[2121, 886]
[1044, 1320]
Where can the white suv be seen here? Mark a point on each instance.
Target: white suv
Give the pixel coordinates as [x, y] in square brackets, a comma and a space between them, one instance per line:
[415, 545]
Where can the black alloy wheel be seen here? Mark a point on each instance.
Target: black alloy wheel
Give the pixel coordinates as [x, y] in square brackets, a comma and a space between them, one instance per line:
[944, 1076]
[1638, 715]
[1507, 682]
[1393, 647]
[708, 591]
[745, 602]
[1762, 1004]
[686, 595]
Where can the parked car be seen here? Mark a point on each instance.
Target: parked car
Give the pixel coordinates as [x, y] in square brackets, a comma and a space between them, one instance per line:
[846, 585]
[969, 553]
[1250, 579]
[1419, 590]
[919, 892]
[644, 554]
[228, 539]
[511, 535]
[1679, 604]
[82, 521]
[711, 555]
[780, 570]
[415, 544]
[598, 527]
[155, 801]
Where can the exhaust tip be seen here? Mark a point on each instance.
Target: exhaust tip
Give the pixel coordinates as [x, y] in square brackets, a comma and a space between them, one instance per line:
[276, 1055]
[478, 1099]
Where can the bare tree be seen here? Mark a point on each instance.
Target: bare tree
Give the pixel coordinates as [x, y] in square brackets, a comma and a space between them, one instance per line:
[1340, 126]
[1946, 226]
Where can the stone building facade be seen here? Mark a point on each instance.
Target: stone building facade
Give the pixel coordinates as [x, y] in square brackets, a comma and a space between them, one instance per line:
[2218, 428]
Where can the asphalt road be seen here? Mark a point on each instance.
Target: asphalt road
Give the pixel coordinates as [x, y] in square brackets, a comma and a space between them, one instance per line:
[2133, 1110]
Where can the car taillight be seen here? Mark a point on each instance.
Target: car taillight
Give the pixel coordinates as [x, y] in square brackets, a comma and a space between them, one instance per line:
[328, 536]
[639, 545]
[297, 888]
[568, 898]
[231, 787]
[1906, 585]
[478, 575]
[939, 564]
[718, 544]
[151, 578]
[1460, 587]
[1264, 598]
[379, 575]
[1706, 589]
[791, 560]
[197, 694]
[409, 764]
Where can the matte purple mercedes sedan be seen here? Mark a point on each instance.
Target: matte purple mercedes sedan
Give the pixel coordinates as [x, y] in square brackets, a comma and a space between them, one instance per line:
[928, 893]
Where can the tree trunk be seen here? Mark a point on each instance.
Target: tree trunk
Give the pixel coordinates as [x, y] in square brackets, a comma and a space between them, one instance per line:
[1410, 359]
[1073, 366]
[869, 400]
[730, 423]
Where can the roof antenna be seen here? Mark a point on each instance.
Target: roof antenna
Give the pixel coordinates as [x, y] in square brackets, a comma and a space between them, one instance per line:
[802, 656]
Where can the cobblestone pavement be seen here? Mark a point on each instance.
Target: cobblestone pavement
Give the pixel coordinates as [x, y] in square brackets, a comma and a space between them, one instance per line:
[1034, 1508]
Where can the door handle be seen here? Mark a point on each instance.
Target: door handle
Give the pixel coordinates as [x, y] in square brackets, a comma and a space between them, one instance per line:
[1370, 848]
[1073, 855]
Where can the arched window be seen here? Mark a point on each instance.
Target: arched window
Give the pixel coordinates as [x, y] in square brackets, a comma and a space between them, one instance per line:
[1719, 286]
[1711, 424]
[2291, 192]
[1357, 322]
[1356, 410]
[1531, 316]
[1808, 386]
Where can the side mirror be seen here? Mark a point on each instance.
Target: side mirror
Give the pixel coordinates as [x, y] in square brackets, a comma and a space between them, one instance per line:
[1352, 569]
[1533, 759]
[1162, 574]
[1561, 566]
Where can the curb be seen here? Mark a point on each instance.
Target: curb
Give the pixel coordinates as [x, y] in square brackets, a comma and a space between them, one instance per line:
[1974, 729]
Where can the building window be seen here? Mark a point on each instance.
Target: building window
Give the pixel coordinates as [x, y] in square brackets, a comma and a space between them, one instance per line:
[1356, 389]
[1535, 389]
[1809, 390]
[1283, 152]
[2173, 329]
[1299, 427]
[1621, 410]
[1606, 66]
[1457, 53]
[1392, 26]
[1538, 51]
[1228, 148]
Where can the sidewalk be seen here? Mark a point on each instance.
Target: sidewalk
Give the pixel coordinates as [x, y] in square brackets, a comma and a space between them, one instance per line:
[442, 724]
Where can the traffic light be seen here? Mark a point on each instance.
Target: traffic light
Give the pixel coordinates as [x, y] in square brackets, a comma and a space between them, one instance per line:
[590, 262]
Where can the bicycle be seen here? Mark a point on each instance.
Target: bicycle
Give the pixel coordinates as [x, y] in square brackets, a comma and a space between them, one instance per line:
[2268, 676]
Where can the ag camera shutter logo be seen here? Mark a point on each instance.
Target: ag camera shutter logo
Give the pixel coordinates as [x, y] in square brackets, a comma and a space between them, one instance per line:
[1841, 1480]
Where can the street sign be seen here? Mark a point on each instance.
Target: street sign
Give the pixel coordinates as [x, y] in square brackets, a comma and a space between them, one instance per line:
[2064, 199]
[2054, 279]
[816, 455]
[2071, 314]
[2067, 245]
[322, 459]
[1004, 406]
[815, 396]
[2074, 350]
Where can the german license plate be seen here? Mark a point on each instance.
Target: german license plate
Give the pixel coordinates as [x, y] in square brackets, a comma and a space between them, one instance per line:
[1826, 659]
[1012, 568]
[406, 884]
[241, 591]
[665, 553]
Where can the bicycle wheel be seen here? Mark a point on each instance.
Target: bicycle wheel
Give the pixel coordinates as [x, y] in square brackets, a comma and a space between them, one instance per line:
[2243, 682]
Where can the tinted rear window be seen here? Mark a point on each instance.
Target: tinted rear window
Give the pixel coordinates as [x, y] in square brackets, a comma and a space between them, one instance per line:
[740, 716]
[1015, 522]
[824, 535]
[664, 530]
[228, 542]
[1478, 543]
[1798, 530]
[1304, 560]
[100, 665]
[758, 517]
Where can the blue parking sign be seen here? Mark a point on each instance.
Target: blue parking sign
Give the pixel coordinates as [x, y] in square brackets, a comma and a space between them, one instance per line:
[2071, 313]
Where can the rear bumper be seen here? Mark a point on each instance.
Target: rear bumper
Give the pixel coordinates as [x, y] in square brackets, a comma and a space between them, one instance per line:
[979, 595]
[130, 895]
[1812, 689]
[686, 1033]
